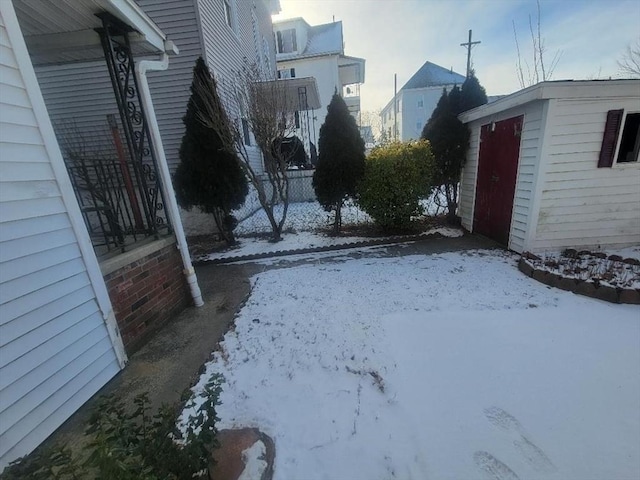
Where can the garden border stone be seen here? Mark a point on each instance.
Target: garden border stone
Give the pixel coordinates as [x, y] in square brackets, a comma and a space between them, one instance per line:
[580, 287]
[326, 248]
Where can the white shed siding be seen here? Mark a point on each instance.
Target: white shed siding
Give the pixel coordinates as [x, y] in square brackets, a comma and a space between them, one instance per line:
[530, 144]
[55, 349]
[582, 205]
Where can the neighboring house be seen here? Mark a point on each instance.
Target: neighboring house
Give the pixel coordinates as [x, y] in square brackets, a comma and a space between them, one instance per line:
[555, 166]
[318, 52]
[228, 34]
[416, 100]
[68, 318]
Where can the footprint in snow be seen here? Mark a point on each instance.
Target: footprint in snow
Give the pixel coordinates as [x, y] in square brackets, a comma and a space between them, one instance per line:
[529, 450]
[493, 468]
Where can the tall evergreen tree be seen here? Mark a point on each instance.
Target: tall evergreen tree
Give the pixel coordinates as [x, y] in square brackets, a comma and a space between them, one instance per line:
[472, 95]
[209, 176]
[340, 159]
[449, 139]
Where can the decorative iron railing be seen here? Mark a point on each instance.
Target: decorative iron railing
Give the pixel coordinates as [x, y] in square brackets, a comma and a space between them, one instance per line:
[111, 202]
[119, 191]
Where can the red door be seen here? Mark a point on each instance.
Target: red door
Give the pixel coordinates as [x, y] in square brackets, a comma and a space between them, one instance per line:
[496, 183]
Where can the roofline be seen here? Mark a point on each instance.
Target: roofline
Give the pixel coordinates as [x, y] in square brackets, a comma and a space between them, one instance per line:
[305, 57]
[544, 91]
[136, 18]
[390, 102]
[292, 19]
[356, 59]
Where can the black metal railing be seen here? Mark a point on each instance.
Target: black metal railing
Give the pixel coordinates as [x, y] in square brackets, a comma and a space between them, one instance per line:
[132, 187]
[112, 202]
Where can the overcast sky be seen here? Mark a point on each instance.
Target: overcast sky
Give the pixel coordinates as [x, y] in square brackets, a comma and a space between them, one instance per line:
[398, 36]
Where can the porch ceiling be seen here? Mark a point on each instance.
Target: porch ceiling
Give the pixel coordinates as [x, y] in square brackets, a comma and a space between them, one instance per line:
[351, 70]
[293, 89]
[63, 31]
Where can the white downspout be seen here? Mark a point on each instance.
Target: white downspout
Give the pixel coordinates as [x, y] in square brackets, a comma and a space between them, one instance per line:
[169, 196]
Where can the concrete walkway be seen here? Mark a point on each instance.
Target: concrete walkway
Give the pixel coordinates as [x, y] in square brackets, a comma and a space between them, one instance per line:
[170, 363]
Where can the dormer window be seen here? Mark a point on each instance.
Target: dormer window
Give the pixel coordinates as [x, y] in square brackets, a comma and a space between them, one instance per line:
[286, 41]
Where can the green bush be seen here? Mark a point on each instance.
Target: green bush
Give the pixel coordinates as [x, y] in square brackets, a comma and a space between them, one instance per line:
[133, 445]
[396, 177]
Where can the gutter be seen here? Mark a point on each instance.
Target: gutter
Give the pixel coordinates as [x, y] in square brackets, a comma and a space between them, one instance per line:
[163, 169]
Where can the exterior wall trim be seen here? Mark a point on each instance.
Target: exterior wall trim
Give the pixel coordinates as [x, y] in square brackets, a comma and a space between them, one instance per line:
[548, 110]
[62, 177]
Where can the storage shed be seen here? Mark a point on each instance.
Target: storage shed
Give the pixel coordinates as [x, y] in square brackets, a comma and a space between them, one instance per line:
[555, 166]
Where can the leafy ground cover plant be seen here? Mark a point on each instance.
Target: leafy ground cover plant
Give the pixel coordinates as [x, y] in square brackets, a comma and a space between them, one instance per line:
[132, 444]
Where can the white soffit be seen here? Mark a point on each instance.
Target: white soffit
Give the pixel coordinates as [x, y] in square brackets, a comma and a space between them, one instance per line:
[63, 31]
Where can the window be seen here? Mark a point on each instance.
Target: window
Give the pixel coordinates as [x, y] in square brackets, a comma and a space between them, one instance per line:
[420, 103]
[287, 73]
[227, 12]
[419, 126]
[621, 139]
[286, 41]
[630, 140]
[297, 118]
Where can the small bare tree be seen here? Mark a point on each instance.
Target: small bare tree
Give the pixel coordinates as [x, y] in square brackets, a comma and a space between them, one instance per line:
[268, 111]
[538, 70]
[629, 63]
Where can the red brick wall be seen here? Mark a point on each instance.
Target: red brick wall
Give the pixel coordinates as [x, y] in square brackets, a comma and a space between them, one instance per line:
[147, 293]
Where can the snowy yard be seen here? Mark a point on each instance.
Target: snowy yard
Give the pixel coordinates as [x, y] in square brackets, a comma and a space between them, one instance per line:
[449, 366]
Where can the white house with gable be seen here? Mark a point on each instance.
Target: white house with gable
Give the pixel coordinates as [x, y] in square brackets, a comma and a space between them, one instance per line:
[555, 166]
[416, 100]
[317, 51]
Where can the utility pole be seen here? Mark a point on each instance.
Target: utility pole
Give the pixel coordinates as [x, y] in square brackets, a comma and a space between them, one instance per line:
[395, 107]
[469, 45]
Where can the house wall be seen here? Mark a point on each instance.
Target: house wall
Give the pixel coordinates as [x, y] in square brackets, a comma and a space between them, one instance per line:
[170, 88]
[325, 70]
[413, 115]
[147, 288]
[57, 345]
[82, 94]
[409, 113]
[582, 205]
[530, 145]
[250, 37]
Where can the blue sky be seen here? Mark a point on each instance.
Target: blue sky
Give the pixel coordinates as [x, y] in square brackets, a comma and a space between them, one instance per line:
[398, 36]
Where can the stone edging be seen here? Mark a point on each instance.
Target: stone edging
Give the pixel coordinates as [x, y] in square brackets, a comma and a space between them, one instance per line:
[326, 248]
[581, 287]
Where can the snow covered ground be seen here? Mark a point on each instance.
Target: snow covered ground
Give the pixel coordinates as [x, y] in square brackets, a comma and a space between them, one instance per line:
[301, 230]
[449, 366]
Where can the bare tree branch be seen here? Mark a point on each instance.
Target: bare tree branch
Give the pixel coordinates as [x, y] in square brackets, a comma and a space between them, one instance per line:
[539, 71]
[629, 63]
[269, 112]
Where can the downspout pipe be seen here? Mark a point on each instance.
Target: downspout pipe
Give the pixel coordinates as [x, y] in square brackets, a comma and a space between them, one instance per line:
[142, 67]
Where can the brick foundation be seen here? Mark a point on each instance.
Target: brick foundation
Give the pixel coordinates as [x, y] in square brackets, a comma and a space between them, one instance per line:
[146, 293]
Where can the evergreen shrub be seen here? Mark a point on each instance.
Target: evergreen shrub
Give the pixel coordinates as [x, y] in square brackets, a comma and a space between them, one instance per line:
[397, 176]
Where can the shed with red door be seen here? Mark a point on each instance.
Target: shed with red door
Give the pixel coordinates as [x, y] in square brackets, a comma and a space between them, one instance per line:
[555, 166]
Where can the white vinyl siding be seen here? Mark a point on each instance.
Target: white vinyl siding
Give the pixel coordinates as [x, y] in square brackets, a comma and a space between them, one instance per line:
[225, 50]
[530, 142]
[55, 349]
[170, 89]
[582, 205]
